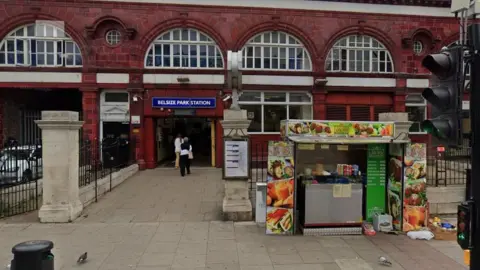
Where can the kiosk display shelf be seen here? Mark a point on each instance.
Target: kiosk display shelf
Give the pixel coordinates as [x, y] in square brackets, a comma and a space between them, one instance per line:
[340, 173]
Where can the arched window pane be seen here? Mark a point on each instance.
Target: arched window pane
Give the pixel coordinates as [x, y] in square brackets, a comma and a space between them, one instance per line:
[184, 48]
[39, 45]
[275, 51]
[359, 54]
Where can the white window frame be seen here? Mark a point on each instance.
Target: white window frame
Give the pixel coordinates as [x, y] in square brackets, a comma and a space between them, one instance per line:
[115, 35]
[58, 36]
[286, 103]
[173, 42]
[259, 42]
[417, 47]
[373, 46]
[424, 104]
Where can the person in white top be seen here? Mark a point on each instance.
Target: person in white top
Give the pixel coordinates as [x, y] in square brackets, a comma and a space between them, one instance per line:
[185, 156]
[178, 142]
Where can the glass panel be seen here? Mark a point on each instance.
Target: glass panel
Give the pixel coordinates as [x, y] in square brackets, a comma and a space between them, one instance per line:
[41, 59]
[275, 97]
[69, 47]
[185, 35]
[116, 97]
[193, 35]
[300, 112]
[272, 115]
[176, 34]
[250, 96]
[300, 97]
[254, 113]
[78, 60]
[416, 114]
[50, 47]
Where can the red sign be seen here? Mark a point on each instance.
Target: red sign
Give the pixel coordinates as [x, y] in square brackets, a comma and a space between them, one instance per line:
[440, 149]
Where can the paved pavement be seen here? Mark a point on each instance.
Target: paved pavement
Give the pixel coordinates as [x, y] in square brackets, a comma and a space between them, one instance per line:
[158, 220]
[162, 195]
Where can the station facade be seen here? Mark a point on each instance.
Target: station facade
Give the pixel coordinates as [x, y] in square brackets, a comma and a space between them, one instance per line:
[149, 71]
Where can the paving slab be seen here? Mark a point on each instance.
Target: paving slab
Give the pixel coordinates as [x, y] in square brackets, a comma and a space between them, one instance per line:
[158, 220]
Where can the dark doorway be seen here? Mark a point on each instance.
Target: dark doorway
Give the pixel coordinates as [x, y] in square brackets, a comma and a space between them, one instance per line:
[198, 131]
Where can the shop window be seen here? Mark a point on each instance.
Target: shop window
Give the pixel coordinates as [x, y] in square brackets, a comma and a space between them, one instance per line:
[416, 107]
[267, 109]
[275, 50]
[359, 53]
[40, 45]
[184, 48]
[116, 97]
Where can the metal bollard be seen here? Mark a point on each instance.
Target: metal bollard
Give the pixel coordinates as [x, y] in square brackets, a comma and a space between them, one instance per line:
[33, 255]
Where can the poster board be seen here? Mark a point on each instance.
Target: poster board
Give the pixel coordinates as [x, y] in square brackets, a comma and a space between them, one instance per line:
[395, 184]
[415, 202]
[280, 188]
[376, 180]
[337, 129]
[236, 160]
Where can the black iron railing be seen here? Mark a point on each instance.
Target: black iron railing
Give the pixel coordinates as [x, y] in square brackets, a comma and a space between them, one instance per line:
[20, 170]
[99, 160]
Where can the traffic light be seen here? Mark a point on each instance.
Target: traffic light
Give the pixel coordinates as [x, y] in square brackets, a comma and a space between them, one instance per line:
[464, 225]
[445, 95]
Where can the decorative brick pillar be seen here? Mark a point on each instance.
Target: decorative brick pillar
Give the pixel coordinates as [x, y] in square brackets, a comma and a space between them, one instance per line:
[399, 102]
[319, 105]
[137, 130]
[90, 107]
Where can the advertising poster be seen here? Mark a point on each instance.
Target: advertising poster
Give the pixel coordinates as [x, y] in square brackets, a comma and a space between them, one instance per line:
[376, 179]
[336, 128]
[395, 179]
[280, 188]
[415, 203]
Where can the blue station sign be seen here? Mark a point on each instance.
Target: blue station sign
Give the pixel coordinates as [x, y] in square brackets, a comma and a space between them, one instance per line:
[184, 103]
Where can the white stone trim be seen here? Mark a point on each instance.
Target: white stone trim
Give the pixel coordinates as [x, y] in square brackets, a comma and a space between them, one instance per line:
[309, 5]
[113, 78]
[40, 77]
[361, 82]
[194, 78]
[277, 80]
[418, 83]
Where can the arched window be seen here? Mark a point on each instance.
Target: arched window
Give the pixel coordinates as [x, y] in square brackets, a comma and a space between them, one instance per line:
[184, 48]
[359, 54]
[275, 51]
[40, 45]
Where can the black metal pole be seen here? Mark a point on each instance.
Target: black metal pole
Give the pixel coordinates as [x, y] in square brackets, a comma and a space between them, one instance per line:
[475, 151]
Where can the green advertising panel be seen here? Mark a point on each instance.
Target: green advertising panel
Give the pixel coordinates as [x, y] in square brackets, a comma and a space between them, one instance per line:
[376, 178]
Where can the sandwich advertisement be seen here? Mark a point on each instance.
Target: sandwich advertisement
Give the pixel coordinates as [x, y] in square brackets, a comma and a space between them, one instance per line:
[280, 188]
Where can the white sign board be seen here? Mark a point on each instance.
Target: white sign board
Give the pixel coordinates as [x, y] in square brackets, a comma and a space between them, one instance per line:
[135, 119]
[466, 105]
[236, 159]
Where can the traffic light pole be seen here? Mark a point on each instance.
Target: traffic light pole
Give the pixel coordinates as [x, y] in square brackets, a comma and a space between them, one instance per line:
[475, 144]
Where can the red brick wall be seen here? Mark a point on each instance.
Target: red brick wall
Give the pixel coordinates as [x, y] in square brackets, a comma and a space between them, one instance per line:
[231, 27]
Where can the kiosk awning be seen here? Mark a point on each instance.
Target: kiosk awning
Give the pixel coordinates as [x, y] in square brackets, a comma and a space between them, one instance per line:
[345, 140]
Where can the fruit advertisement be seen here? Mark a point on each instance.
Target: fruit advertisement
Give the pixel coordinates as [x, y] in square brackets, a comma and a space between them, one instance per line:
[336, 128]
[415, 203]
[280, 188]
[395, 188]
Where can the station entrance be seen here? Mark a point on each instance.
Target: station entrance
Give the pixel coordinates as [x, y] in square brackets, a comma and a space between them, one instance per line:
[200, 132]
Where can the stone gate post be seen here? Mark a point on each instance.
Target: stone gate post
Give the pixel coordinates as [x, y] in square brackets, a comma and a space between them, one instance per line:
[60, 156]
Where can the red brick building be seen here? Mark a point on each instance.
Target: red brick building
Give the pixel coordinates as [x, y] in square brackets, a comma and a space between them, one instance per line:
[334, 60]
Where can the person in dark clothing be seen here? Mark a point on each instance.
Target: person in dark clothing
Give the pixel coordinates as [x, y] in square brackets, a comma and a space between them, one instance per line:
[185, 154]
